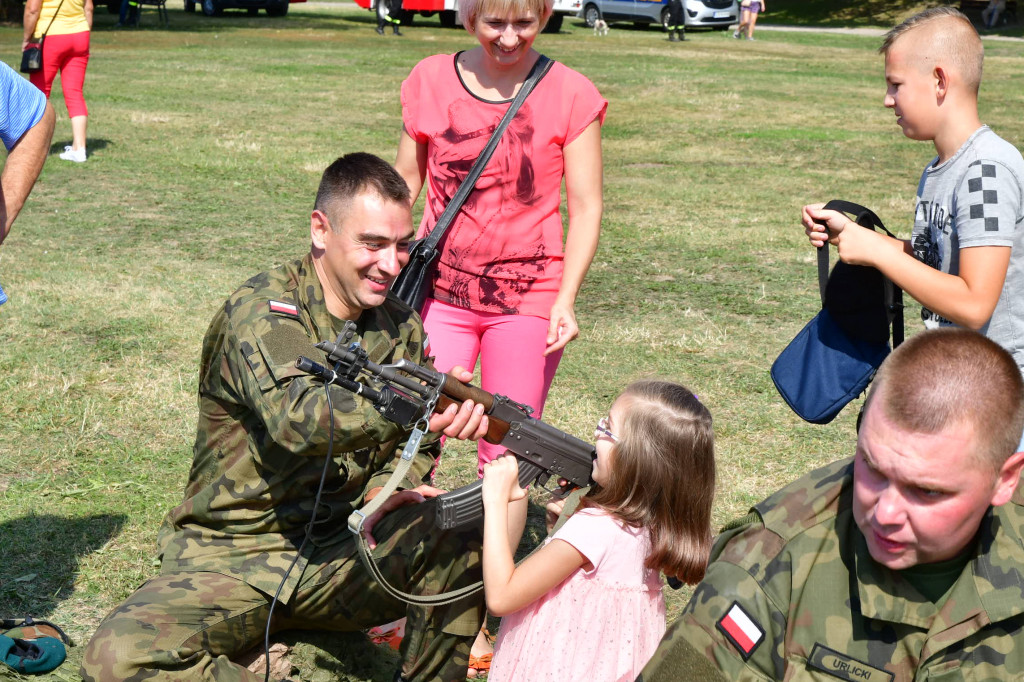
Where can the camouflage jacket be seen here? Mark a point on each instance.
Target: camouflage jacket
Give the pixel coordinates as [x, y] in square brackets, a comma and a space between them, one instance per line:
[263, 432]
[793, 594]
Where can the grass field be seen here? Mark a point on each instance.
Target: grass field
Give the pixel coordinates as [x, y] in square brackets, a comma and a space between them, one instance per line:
[207, 140]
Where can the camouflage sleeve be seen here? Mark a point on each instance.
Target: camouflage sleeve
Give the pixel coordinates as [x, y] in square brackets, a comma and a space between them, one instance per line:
[258, 362]
[730, 622]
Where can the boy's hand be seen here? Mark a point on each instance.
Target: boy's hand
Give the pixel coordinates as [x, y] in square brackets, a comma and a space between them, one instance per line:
[814, 228]
[855, 244]
[501, 481]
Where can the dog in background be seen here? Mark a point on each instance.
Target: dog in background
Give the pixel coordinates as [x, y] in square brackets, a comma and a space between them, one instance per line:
[600, 27]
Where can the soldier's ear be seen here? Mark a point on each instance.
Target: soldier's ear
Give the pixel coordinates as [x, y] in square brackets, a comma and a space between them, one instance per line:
[1009, 475]
[319, 228]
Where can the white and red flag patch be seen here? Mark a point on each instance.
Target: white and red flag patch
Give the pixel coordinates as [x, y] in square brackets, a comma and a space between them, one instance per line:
[284, 308]
[741, 629]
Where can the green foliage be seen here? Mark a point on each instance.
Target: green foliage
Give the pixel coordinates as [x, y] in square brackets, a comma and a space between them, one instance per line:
[207, 140]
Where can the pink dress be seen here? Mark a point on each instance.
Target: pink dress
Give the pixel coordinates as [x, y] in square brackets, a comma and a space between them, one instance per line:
[600, 625]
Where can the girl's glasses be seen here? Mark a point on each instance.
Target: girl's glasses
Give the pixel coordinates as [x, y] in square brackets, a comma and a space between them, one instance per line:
[602, 428]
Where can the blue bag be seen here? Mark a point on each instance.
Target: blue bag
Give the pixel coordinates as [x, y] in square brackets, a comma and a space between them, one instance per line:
[834, 357]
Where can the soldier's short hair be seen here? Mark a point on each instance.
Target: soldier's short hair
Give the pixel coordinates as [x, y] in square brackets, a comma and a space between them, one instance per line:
[469, 10]
[351, 175]
[952, 38]
[954, 376]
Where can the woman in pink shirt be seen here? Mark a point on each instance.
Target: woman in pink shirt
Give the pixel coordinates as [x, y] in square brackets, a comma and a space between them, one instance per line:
[505, 288]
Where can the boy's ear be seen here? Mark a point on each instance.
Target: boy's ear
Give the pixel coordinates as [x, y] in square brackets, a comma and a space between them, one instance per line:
[941, 77]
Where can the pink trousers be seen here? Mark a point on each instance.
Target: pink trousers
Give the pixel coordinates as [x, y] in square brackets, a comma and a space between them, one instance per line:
[68, 54]
[511, 352]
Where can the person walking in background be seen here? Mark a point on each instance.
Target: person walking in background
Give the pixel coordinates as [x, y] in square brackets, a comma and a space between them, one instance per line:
[392, 16]
[129, 15]
[749, 9]
[676, 23]
[650, 513]
[66, 25]
[505, 289]
[990, 15]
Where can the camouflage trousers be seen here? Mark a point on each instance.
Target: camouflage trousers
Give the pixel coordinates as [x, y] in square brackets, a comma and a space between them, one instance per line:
[184, 627]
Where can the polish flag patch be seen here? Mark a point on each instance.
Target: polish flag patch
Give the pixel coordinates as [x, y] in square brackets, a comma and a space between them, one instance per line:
[742, 630]
[284, 308]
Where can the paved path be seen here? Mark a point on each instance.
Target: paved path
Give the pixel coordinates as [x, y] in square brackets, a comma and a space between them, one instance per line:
[861, 31]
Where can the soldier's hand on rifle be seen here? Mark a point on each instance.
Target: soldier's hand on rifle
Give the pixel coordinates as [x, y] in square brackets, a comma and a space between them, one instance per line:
[400, 498]
[466, 421]
[501, 481]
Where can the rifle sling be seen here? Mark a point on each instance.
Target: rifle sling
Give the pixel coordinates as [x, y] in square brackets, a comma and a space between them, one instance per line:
[355, 524]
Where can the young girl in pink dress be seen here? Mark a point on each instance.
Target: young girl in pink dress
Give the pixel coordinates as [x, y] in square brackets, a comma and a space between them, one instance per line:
[588, 605]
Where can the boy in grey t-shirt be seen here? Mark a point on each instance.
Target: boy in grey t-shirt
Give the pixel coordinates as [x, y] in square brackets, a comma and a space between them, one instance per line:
[960, 262]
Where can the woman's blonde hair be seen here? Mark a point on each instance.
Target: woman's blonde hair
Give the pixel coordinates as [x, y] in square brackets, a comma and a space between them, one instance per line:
[662, 476]
[469, 10]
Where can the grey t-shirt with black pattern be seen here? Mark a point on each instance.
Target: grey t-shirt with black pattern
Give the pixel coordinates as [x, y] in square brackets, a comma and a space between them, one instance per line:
[976, 198]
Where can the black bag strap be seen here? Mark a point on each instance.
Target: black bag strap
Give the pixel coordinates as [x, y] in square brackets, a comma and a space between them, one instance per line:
[866, 218]
[48, 26]
[429, 244]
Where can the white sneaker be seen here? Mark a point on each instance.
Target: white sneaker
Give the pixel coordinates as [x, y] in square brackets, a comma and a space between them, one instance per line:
[76, 155]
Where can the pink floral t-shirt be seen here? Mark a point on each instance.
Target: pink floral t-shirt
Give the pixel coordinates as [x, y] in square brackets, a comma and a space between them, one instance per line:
[503, 252]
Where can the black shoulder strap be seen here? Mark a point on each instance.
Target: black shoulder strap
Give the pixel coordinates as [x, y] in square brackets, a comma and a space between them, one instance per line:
[539, 70]
[867, 218]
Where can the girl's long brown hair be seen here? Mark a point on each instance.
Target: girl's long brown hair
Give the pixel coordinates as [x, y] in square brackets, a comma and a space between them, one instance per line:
[663, 475]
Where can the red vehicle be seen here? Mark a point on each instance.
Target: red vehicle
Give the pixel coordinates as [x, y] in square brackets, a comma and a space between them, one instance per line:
[447, 11]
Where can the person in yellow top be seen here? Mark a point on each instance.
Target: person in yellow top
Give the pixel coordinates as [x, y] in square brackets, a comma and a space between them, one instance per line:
[66, 25]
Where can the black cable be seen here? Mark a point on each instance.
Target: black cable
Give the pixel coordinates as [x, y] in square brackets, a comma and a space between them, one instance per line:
[309, 529]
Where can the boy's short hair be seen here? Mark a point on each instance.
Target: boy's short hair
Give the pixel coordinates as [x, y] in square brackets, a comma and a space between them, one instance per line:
[953, 37]
[951, 376]
[469, 10]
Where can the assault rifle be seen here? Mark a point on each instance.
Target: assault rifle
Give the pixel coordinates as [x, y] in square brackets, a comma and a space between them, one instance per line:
[409, 393]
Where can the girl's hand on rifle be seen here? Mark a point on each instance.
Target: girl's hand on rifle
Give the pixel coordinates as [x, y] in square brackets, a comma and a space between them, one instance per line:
[466, 421]
[501, 481]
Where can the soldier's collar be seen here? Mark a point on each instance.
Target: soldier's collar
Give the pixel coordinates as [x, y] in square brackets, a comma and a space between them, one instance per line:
[992, 582]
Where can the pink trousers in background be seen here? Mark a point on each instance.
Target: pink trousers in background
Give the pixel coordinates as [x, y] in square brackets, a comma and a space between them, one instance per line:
[511, 352]
[68, 54]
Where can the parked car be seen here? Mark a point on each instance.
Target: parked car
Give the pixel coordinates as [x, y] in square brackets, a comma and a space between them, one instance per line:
[698, 13]
[560, 10]
[447, 11]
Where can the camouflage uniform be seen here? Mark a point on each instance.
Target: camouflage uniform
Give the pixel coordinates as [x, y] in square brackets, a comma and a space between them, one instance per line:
[793, 594]
[258, 458]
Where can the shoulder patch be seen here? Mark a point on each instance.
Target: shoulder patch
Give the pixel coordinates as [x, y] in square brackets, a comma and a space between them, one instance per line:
[741, 629]
[283, 308]
[844, 667]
